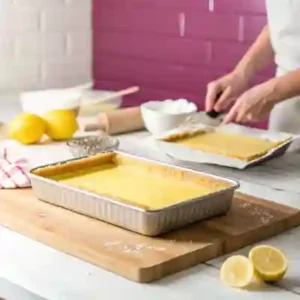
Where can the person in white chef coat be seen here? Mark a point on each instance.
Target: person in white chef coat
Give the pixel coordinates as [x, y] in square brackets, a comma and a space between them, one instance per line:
[279, 97]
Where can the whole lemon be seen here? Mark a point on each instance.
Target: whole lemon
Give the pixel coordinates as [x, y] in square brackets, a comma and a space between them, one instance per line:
[27, 128]
[61, 124]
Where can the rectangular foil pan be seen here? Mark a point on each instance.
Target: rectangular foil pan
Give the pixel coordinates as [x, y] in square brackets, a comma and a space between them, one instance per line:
[133, 218]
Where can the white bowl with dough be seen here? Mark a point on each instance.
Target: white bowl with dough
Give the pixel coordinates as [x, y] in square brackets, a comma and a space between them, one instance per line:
[93, 102]
[162, 116]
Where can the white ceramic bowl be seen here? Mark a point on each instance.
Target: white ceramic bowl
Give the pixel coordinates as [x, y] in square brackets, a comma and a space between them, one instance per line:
[41, 102]
[162, 116]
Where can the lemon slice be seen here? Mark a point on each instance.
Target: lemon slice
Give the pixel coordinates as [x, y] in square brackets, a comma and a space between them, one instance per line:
[237, 271]
[269, 263]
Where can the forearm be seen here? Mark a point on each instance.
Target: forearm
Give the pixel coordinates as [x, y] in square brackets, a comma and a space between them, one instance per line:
[259, 55]
[285, 87]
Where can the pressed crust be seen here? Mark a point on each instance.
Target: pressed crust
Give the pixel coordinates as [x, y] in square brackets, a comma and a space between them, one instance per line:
[181, 137]
[159, 185]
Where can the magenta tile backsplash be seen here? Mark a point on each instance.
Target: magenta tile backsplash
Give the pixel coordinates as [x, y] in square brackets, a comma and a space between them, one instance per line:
[138, 42]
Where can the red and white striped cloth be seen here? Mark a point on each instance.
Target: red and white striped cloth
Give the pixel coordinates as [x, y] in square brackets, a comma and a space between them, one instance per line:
[13, 173]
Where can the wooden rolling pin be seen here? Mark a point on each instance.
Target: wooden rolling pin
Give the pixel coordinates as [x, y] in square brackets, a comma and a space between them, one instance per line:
[3, 132]
[116, 122]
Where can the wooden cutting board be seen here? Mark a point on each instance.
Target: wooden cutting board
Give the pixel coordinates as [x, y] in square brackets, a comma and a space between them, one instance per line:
[137, 257]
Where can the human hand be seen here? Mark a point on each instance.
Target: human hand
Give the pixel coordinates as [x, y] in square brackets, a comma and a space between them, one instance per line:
[229, 87]
[253, 105]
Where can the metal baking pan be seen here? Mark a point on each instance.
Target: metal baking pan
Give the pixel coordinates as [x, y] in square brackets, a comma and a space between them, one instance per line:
[143, 221]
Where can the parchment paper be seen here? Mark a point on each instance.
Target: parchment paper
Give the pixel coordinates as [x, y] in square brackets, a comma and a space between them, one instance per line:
[188, 154]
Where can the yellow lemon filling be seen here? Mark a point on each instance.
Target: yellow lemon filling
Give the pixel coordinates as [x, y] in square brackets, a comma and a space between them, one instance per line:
[130, 184]
[135, 182]
[231, 145]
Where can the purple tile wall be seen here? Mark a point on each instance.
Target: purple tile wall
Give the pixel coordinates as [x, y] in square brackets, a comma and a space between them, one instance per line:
[138, 42]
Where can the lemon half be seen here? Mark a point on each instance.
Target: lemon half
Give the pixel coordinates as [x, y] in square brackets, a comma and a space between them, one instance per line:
[237, 271]
[270, 264]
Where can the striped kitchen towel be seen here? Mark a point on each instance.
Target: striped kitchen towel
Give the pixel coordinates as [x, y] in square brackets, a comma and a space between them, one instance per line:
[13, 172]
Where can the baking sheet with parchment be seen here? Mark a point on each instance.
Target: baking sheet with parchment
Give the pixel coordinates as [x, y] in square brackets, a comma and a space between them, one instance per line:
[189, 154]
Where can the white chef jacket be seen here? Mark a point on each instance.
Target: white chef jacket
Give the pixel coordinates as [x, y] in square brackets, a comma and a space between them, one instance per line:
[284, 27]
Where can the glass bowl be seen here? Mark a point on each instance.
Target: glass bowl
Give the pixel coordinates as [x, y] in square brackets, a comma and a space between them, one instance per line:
[90, 145]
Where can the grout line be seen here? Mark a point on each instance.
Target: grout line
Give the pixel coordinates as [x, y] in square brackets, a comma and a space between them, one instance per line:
[182, 24]
[15, 44]
[211, 5]
[241, 29]
[209, 52]
[67, 44]
[42, 21]
[40, 71]
[39, 20]
[285, 289]
[43, 73]
[211, 265]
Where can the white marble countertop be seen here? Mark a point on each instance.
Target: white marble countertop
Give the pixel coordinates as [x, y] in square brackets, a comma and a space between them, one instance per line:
[50, 274]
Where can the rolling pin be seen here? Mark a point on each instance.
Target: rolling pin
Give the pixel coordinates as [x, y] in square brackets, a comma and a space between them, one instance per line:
[3, 132]
[119, 121]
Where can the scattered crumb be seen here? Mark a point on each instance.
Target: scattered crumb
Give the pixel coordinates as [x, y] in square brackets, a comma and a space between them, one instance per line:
[131, 247]
[265, 217]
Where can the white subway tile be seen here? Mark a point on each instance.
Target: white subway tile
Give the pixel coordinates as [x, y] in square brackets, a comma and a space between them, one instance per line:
[17, 19]
[40, 45]
[65, 19]
[6, 46]
[19, 75]
[5, 3]
[79, 2]
[44, 43]
[66, 73]
[86, 3]
[79, 43]
[39, 3]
